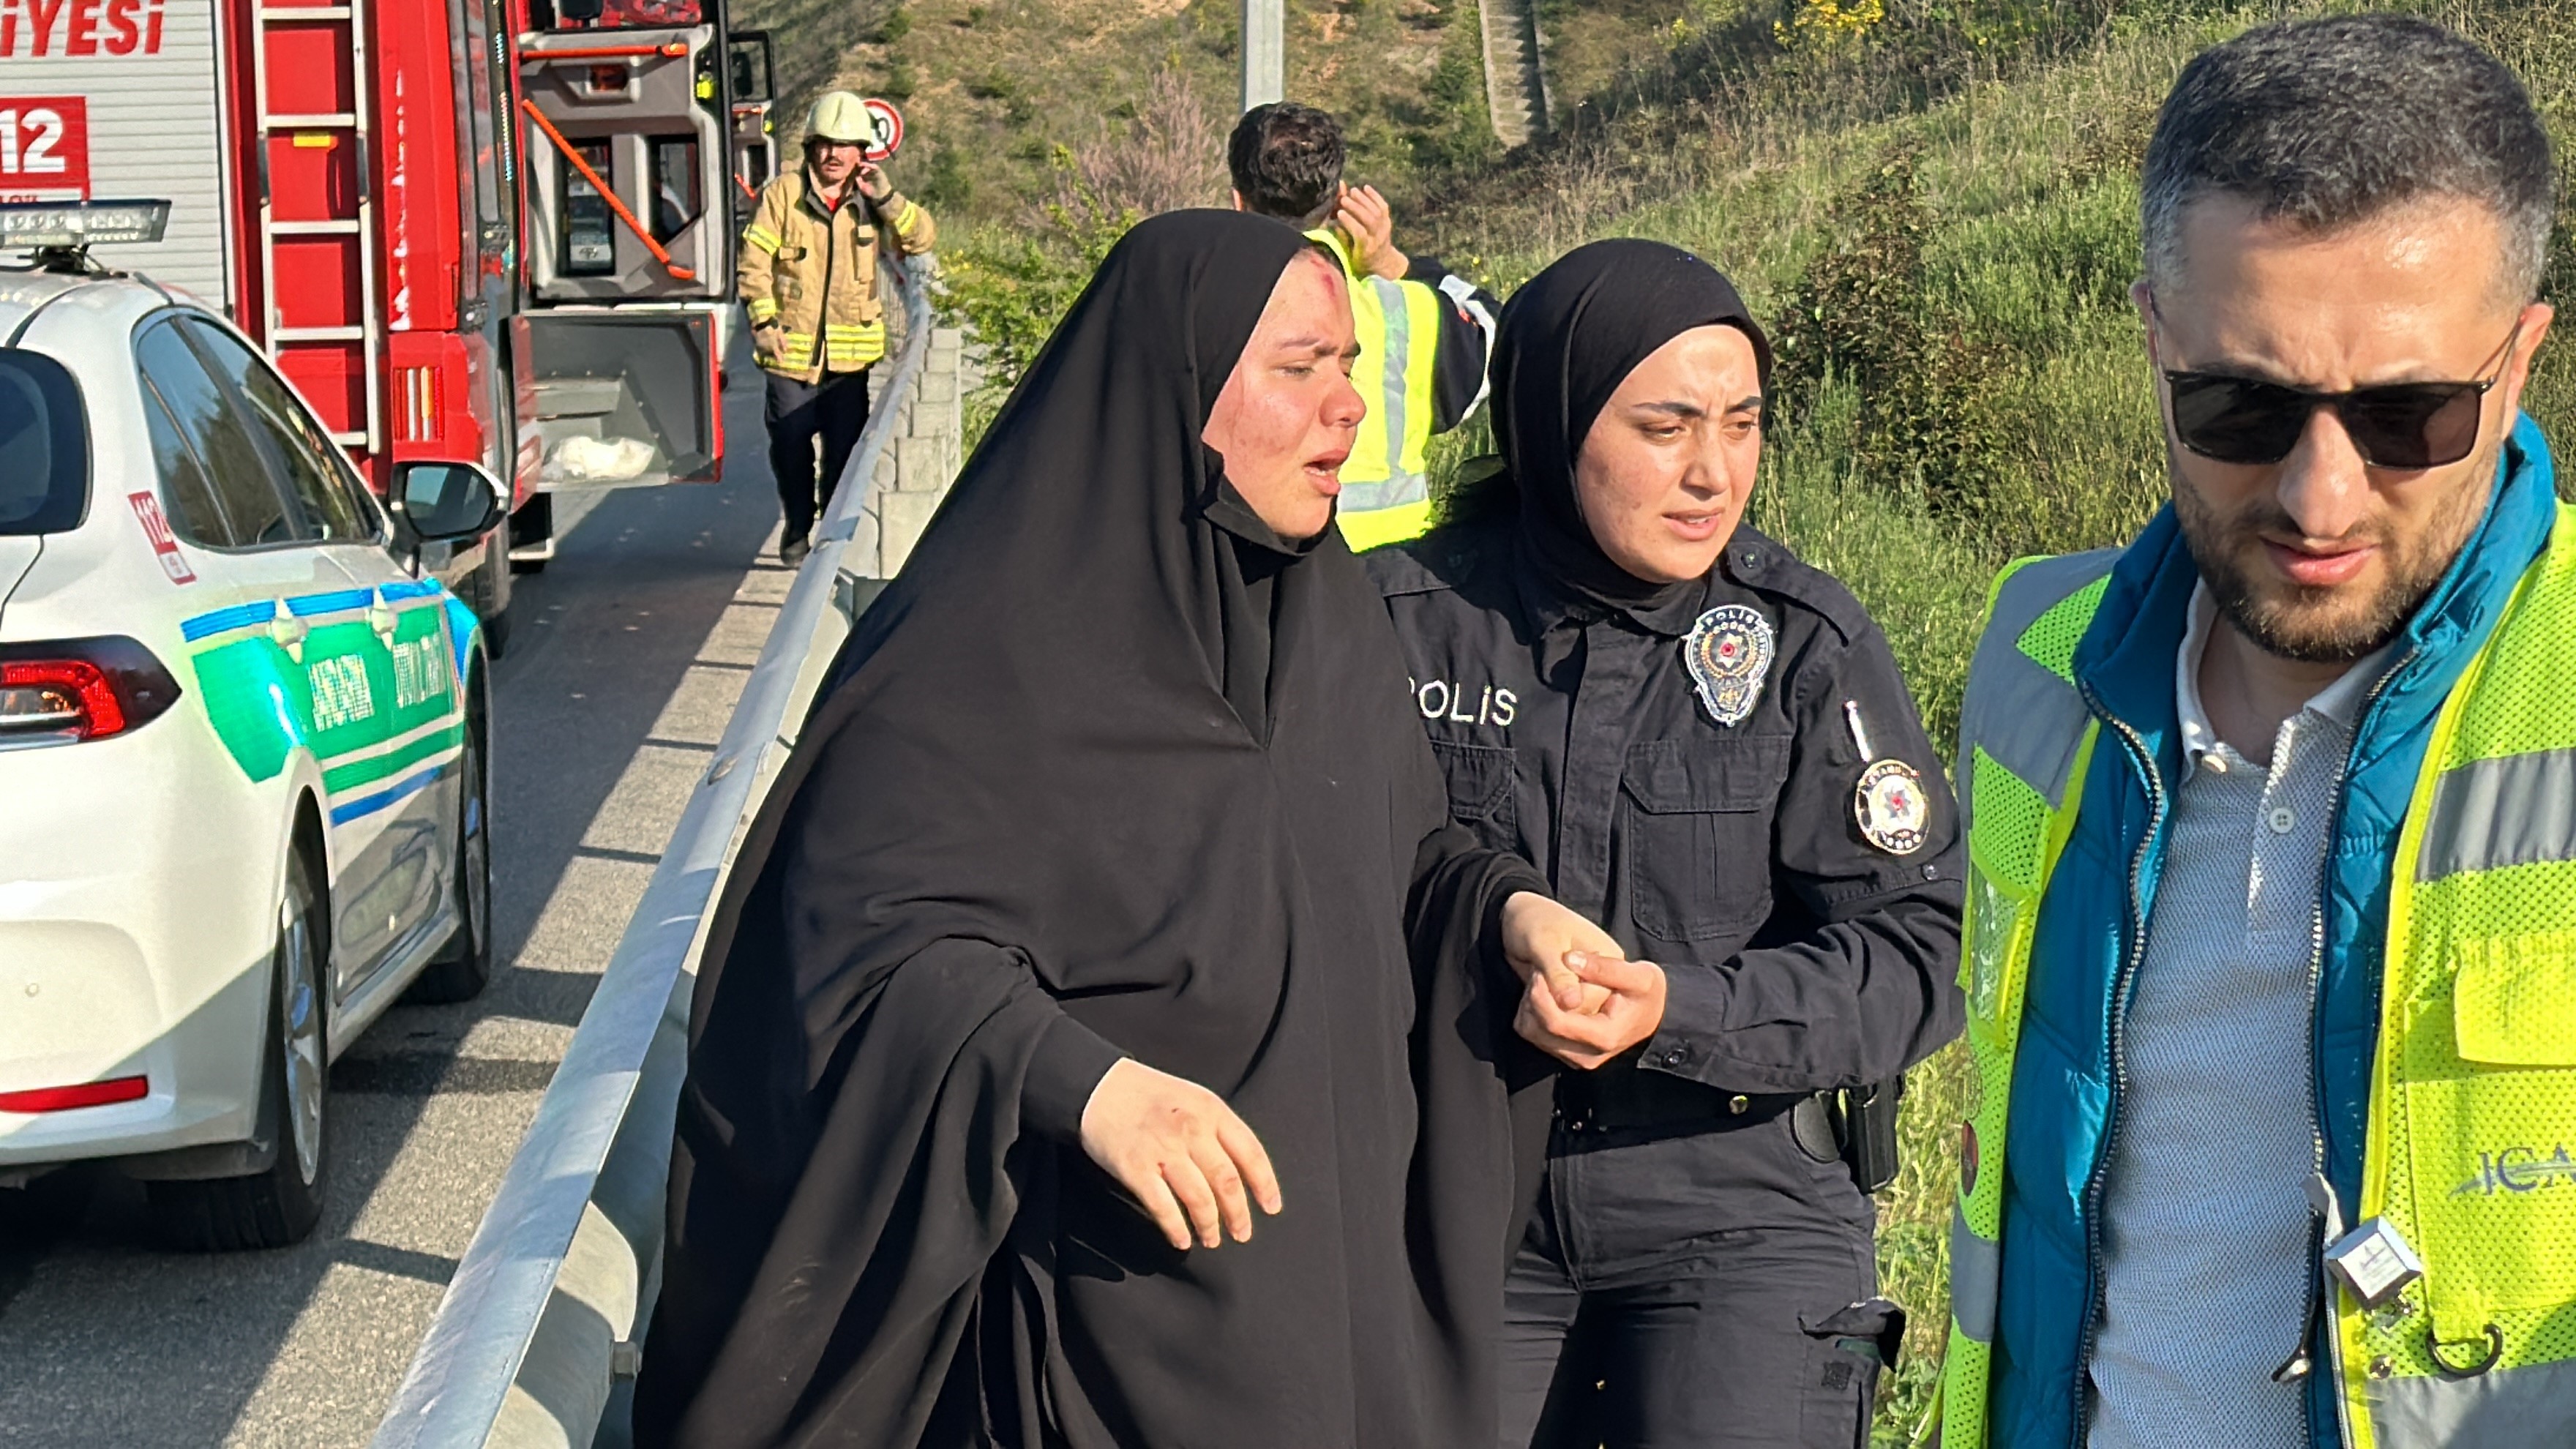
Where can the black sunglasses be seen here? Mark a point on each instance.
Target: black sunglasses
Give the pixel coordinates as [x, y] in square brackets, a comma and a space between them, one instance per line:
[2406, 425]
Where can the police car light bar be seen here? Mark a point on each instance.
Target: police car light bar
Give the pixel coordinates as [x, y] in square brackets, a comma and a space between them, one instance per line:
[45, 225]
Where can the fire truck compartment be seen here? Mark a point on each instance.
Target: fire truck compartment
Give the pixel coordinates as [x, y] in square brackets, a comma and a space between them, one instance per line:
[622, 397]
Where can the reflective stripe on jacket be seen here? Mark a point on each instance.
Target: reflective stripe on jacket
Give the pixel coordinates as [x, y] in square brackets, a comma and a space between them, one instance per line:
[2442, 1084]
[814, 273]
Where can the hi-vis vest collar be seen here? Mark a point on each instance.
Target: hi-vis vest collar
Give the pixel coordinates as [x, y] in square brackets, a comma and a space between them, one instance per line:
[1386, 492]
[2470, 1134]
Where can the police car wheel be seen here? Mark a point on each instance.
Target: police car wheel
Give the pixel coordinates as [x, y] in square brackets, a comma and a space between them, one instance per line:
[487, 592]
[280, 1205]
[464, 965]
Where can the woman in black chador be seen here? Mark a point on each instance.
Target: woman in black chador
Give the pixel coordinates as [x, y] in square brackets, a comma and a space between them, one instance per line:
[1090, 888]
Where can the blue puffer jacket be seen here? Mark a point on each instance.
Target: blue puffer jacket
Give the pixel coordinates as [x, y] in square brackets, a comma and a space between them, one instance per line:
[2065, 1099]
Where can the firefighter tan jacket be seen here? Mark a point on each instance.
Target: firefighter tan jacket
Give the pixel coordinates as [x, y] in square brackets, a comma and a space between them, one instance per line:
[814, 273]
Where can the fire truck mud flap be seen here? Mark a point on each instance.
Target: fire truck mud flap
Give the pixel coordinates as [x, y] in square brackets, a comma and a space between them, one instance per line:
[622, 397]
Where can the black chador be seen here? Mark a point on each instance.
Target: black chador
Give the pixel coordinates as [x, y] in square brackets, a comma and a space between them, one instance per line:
[1110, 770]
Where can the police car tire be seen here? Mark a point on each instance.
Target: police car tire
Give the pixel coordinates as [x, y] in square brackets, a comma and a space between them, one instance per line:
[487, 593]
[279, 1206]
[463, 967]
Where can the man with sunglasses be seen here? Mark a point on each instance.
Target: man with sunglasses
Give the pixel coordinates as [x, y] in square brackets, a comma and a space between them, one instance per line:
[2272, 911]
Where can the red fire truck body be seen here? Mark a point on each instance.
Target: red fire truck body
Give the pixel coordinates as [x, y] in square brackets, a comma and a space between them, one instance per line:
[402, 200]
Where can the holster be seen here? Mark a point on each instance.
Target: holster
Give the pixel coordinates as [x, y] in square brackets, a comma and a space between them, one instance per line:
[1856, 1124]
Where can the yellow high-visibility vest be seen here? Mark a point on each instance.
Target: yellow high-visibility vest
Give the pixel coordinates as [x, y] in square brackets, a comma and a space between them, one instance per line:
[2472, 1117]
[1386, 493]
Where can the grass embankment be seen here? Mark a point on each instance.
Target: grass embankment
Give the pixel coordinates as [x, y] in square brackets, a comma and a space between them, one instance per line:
[1937, 214]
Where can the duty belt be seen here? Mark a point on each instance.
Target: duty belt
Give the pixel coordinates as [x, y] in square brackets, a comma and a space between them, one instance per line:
[1857, 1127]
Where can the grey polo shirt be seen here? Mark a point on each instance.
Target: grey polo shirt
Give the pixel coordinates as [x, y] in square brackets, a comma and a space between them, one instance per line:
[2205, 1213]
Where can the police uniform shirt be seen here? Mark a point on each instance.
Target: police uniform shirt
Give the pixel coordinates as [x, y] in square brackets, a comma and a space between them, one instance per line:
[1799, 956]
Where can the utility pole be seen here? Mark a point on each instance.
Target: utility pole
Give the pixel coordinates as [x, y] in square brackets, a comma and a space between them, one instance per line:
[1264, 53]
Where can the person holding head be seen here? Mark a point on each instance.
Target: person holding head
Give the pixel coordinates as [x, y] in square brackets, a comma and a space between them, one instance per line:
[1057, 1071]
[1423, 330]
[2273, 930]
[1706, 745]
[807, 276]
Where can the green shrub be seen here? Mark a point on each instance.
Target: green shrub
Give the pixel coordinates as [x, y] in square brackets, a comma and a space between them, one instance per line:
[948, 184]
[1930, 393]
[1009, 288]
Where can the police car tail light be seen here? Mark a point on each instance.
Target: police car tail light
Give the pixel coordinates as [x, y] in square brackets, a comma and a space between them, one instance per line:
[87, 1094]
[80, 689]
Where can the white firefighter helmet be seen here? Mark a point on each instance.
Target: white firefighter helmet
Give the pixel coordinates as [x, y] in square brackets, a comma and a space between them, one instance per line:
[841, 116]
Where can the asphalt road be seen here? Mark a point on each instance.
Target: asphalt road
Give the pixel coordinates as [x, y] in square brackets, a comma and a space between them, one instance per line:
[628, 653]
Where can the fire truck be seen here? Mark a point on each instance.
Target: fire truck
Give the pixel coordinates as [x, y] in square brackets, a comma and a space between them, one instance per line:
[488, 231]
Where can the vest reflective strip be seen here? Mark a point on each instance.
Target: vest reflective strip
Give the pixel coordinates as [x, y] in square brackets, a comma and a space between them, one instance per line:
[1380, 527]
[2489, 814]
[2019, 711]
[1976, 1277]
[2504, 1408]
[1399, 354]
[1395, 492]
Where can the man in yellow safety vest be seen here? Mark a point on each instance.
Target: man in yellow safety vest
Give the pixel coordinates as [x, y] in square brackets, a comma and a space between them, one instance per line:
[1423, 330]
[808, 277]
[2271, 971]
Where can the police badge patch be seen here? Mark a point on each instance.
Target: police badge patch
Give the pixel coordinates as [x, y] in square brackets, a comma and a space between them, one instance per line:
[1729, 654]
[1890, 807]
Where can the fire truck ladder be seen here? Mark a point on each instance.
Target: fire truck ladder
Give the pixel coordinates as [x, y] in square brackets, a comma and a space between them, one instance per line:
[359, 338]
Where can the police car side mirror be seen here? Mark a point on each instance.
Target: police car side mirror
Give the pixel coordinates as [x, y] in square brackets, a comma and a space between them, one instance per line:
[448, 502]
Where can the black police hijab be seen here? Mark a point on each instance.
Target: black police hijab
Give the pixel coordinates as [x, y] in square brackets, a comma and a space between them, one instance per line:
[1565, 343]
[1107, 770]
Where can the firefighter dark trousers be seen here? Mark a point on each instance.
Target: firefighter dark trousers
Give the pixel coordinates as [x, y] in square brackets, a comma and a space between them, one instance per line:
[834, 410]
[1758, 1338]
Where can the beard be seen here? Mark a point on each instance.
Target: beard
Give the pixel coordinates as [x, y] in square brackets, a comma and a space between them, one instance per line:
[2323, 625]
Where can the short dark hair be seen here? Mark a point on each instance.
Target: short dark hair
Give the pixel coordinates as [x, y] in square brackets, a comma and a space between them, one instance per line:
[1286, 160]
[2330, 123]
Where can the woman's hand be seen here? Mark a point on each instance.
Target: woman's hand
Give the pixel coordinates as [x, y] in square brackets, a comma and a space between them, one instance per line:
[1181, 1151]
[1538, 934]
[1628, 1009]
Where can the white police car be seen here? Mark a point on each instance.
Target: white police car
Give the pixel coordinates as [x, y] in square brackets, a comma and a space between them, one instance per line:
[242, 756]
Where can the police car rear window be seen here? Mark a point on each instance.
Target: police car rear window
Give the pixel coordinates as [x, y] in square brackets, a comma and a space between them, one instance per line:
[44, 445]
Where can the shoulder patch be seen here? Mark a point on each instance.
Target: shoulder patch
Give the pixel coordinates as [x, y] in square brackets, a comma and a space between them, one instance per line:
[1444, 558]
[1764, 564]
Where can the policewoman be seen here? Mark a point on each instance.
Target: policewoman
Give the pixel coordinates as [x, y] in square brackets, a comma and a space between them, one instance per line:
[1707, 747]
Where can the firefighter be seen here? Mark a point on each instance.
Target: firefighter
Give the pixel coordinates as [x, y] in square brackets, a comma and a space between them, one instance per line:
[1707, 747]
[808, 278]
[1423, 331]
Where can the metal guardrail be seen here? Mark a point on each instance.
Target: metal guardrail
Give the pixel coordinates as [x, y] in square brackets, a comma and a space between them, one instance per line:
[539, 1334]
